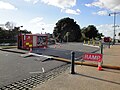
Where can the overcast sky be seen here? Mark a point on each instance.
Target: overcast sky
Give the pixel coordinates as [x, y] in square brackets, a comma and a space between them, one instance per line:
[34, 15]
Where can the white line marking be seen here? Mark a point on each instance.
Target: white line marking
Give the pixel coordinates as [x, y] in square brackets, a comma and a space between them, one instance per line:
[24, 55]
[35, 72]
[6, 55]
[91, 45]
[43, 70]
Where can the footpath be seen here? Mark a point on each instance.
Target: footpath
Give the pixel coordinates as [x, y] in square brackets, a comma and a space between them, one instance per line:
[89, 78]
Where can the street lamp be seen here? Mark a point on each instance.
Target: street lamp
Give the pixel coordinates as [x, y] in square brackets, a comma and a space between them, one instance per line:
[114, 14]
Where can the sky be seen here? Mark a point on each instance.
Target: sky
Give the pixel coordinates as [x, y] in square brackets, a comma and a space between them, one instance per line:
[34, 15]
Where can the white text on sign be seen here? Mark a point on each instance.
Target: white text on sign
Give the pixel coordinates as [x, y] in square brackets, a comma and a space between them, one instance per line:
[92, 57]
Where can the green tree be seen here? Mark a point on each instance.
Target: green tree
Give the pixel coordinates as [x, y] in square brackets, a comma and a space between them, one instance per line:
[2, 33]
[10, 36]
[99, 36]
[119, 35]
[90, 32]
[83, 31]
[64, 26]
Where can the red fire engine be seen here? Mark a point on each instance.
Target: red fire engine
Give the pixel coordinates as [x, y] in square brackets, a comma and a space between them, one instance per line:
[27, 41]
[107, 39]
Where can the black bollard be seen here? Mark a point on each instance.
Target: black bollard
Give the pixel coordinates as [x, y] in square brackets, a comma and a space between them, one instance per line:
[72, 62]
[101, 51]
[108, 44]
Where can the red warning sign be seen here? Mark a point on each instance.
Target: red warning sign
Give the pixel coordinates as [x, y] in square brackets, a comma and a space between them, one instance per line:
[92, 57]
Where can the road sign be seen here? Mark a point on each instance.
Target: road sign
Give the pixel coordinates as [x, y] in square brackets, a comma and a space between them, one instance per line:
[92, 57]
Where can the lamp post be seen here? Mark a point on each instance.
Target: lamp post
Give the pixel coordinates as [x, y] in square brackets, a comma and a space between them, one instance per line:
[115, 28]
[114, 14]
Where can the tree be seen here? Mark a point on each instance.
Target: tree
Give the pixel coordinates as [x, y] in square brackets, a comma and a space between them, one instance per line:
[119, 35]
[99, 36]
[83, 31]
[2, 33]
[65, 26]
[10, 36]
[90, 32]
[10, 25]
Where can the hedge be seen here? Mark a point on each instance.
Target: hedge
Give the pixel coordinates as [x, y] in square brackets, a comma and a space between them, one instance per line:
[8, 41]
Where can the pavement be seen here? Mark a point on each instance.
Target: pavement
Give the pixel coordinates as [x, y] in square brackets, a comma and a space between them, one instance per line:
[15, 50]
[89, 78]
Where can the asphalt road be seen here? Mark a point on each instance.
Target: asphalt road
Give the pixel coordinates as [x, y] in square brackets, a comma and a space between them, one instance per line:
[57, 52]
[75, 47]
[14, 68]
[65, 50]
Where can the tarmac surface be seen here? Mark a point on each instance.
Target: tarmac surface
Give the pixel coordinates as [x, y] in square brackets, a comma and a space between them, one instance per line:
[57, 52]
[15, 67]
[86, 77]
[89, 78]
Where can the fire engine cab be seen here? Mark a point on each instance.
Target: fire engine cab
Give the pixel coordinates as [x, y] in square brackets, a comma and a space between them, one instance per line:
[107, 39]
[27, 41]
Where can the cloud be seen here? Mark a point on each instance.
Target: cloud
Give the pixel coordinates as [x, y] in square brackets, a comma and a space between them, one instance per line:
[33, 1]
[64, 5]
[60, 3]
[36, 24]
[70, 11]
[36, 20]
[107, 30]
[7, 6]
[101, 13]
[88, 5]
[112, 5]
[57, 3]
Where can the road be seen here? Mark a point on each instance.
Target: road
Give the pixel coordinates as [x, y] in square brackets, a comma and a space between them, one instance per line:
[13, 67]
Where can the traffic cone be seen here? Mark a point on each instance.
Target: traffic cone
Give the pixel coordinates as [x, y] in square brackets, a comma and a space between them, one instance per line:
[44, 47]
[55, 46]
[99, 67]
[30, 50]
[60, 45]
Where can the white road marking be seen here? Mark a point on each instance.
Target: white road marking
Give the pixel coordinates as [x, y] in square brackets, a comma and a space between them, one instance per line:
[91, 45]
[35, 72]
[43, 70]
[28, 54]
[6, 55]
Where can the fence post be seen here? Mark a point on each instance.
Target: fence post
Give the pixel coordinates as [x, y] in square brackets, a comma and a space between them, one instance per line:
[72, 62]
[93, 42]
[88, 42]
[84, 41]
[100, 43]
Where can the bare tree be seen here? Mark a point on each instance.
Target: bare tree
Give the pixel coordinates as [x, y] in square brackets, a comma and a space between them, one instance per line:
[10, 25]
